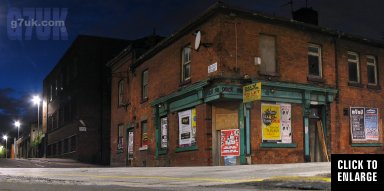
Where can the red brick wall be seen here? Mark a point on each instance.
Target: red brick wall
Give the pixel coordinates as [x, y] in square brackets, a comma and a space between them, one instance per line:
[292, 47]
[351, 96]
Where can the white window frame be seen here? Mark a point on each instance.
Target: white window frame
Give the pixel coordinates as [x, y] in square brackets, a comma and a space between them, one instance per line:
[357, 65]
[374, 64]
[186, 61]
[319, 57]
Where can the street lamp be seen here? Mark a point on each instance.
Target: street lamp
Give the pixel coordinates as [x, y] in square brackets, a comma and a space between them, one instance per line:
[36, 100]
[5, 137]
[17, 125]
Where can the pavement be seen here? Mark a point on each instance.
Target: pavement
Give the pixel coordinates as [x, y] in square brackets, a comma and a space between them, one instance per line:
[308, 176]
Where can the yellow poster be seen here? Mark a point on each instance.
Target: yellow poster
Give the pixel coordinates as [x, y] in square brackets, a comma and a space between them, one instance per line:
[252, 92]
[270, 122]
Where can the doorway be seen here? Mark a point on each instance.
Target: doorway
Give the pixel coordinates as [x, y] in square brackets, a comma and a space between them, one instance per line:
[317, 139]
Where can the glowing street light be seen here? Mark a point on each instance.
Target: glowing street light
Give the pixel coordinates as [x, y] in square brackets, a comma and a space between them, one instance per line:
[5, 137]
[36, 100]
[17, 125]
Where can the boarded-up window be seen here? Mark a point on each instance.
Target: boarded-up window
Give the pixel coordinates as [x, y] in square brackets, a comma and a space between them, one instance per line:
[267, 49]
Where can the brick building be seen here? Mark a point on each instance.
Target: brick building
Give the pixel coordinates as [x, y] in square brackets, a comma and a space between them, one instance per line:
[181, 102]
[76, 101]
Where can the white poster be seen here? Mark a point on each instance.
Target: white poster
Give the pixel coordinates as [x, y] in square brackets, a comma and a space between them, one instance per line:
[185, 128]
[130, 142]
[285, 123]
[164, 132]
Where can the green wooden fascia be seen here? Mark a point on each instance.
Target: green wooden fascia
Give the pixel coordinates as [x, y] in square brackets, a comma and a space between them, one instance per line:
[182, 92]
[295, 86]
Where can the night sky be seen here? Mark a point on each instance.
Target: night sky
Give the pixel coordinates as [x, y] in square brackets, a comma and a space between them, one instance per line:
[25, 63]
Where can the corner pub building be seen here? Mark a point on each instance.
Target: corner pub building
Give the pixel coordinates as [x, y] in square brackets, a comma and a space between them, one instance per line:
[320, 93]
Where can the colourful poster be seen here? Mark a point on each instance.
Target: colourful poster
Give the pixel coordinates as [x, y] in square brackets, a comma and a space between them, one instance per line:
[270, 122]
[286, 131]
[357, 123]
[193, 118]
[371, 124]
[230, 142]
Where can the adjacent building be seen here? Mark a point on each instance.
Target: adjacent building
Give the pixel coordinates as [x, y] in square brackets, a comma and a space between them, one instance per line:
[182, 102]
[76, 101]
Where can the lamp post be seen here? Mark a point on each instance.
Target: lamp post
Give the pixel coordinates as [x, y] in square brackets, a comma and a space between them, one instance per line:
[17, 125]
[36, 100]
[5, 137]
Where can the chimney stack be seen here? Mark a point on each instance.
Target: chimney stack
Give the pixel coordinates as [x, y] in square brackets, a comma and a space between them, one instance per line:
[306, 15]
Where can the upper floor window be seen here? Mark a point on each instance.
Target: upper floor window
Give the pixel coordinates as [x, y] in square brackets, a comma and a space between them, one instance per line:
[314, 60]
[372, 70]
[186, 64]
[353, 67]
[144, 85]
[121, 92]
[267, 48]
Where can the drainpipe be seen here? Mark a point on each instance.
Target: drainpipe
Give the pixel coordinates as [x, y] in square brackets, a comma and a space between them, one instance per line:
[337, 130]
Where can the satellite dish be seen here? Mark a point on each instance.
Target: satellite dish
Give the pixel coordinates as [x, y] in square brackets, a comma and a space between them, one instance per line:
[197, 40]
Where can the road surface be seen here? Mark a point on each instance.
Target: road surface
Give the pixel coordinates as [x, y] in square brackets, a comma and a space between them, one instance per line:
[222, 178]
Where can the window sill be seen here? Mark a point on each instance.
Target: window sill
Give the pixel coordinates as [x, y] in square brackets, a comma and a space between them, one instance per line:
[367, 144]
[143, 148]
[144, 100]
[278, 145]
[190, 148]
[270, 74]
[162, 152]
[316, 79]
[355, 84]
[186, 82]
[373, 87]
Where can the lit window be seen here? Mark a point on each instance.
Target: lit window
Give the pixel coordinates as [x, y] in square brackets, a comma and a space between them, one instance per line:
[353, 67]
[186, 63]
[314, 60]
[372, 70]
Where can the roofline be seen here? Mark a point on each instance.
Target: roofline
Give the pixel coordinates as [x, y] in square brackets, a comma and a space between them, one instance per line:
[219, 6]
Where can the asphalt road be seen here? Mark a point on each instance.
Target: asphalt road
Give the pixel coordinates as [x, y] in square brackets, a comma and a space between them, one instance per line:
[221, 178]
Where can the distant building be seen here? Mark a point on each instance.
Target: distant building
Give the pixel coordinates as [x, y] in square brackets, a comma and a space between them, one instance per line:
[76, 101]
[181, 102]
[29, 145]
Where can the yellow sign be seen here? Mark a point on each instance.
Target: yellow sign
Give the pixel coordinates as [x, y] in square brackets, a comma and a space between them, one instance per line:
[252, 92]
[270, 121]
